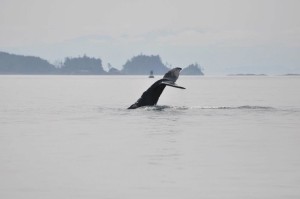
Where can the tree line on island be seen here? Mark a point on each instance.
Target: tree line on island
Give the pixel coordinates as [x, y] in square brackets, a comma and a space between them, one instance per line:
[138, 65]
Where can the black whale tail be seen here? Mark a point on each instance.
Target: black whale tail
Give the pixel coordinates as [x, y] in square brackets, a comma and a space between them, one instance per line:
[152, 94]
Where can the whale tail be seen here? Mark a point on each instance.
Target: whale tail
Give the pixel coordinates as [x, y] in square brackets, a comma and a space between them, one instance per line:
[152, 94]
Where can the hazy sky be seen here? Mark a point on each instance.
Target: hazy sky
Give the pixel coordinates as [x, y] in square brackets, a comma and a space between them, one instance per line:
[224, 36]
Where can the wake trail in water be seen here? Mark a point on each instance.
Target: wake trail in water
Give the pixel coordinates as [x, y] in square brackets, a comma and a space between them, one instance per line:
[220, 108]
[246, 107]
[167, 108]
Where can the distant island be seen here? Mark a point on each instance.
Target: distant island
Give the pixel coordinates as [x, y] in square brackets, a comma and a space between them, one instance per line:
[193, 69]
[19, 64]
[143, 64]
[247, 74]
[138, 65]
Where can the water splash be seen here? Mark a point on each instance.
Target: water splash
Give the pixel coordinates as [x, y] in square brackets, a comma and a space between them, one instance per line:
[165, 107]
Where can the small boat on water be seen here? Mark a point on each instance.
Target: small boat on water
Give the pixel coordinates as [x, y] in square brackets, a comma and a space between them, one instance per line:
[151, 74]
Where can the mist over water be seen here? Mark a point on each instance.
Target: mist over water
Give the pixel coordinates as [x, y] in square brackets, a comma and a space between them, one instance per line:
[222, 137]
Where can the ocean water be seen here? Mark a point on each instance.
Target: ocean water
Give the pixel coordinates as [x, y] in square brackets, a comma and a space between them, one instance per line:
[223, 137]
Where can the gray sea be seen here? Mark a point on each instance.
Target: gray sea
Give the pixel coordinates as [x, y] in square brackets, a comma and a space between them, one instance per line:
[223, 137]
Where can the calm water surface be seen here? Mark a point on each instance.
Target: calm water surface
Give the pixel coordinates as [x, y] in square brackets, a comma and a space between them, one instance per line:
[223, 137]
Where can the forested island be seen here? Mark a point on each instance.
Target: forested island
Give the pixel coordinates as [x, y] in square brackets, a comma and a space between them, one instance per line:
[19, 64]
[138, 65]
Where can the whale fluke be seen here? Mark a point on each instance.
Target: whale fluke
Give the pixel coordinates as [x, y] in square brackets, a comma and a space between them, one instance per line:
[152, 94]
[173, 74]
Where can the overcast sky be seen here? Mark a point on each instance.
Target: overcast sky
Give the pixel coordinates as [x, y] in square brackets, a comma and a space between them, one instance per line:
[224, 36]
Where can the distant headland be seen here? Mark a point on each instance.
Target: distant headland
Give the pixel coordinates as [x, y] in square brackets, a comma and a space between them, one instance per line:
[137, 65]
